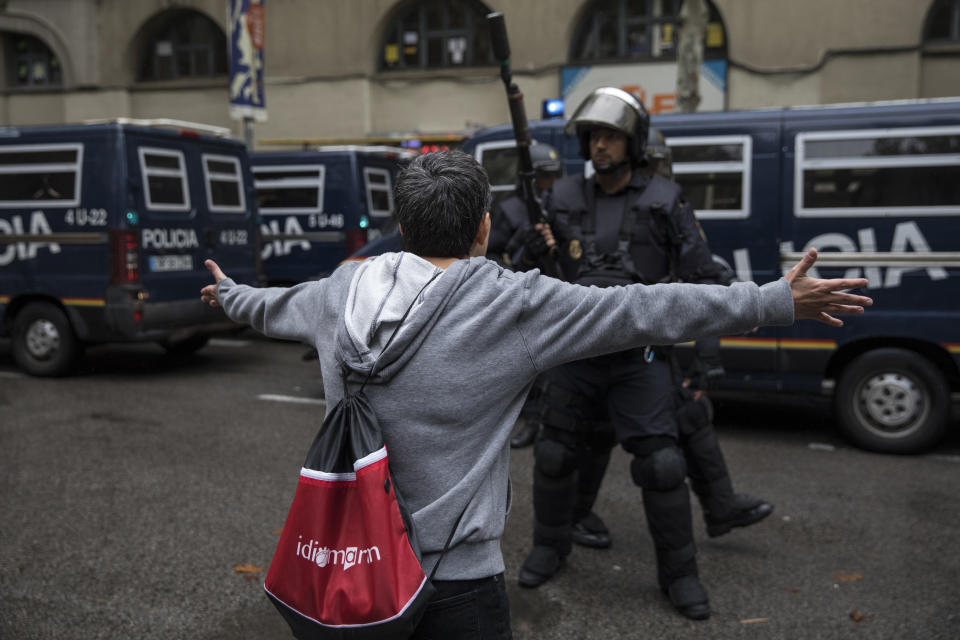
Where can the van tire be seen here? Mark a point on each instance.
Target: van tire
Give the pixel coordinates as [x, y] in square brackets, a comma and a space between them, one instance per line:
[186, 347]
[43, 340]
[892, 401]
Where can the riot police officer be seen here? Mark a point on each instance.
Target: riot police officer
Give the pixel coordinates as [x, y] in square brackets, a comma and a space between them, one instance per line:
[658, 157]
[723, 509]
[620, 226]
[511, 219]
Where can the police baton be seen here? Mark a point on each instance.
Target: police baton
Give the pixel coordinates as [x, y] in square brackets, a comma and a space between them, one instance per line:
[526, 179]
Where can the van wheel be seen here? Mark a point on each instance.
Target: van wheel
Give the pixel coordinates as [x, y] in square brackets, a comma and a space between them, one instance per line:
[186, 347]
[43, 340]
[892, 401]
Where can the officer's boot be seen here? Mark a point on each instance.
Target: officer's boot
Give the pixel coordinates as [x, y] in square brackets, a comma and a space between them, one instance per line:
[671, 527]
[554, 486]
[588, 529]
[661, 472]
[722, 508]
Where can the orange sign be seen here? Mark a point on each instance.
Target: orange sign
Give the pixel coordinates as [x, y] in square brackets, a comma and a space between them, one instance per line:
[661, 102]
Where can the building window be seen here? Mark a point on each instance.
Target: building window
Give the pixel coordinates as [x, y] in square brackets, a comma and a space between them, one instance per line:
[435, 34]
[943, 22]
[31, 62]
[638, 30]
[183, 44]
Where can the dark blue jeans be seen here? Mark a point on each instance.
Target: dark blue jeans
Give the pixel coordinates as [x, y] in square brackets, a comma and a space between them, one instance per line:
[467, 610]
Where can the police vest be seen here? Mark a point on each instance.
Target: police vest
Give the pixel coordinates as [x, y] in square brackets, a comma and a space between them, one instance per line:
[646, 241]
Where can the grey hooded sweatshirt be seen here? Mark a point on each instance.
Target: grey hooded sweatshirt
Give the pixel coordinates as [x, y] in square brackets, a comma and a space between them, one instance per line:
[450, 386]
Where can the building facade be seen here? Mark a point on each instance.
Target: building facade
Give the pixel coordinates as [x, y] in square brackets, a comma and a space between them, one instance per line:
[356, 68]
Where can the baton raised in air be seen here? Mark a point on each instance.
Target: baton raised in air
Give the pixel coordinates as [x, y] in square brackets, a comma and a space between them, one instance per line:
[526, 178]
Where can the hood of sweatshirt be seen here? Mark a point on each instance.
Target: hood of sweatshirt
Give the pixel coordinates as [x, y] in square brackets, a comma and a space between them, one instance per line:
[393, 293]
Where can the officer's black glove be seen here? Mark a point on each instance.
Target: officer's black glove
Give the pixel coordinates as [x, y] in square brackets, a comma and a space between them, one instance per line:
[534, 246]
[706, 373]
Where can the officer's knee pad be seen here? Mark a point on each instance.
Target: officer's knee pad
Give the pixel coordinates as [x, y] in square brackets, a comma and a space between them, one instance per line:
[662, 470]
[554, 459]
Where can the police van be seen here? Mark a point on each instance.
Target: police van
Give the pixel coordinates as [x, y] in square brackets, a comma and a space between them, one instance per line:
[321, 205]
[104, 228]
[876, 189]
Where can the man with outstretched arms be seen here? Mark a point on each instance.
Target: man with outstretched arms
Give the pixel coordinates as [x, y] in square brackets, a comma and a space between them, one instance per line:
[449, 387]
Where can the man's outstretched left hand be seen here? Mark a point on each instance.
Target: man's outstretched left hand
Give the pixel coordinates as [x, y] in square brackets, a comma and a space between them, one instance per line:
[209, 293]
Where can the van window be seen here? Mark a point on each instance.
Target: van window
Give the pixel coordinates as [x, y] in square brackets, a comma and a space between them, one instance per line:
[284, 189]
[909, 171]
[499, 159]
[379, 192]
[224, 183]
[165, 179]
[40, 173]
[714, 172]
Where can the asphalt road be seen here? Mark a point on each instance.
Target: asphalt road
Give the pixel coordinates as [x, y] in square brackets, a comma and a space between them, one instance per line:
[142, 498]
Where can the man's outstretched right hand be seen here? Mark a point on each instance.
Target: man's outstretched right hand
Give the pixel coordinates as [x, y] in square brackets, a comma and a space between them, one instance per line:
[819, 299]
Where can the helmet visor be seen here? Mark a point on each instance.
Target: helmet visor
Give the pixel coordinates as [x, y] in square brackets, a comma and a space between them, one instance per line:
[607, 107]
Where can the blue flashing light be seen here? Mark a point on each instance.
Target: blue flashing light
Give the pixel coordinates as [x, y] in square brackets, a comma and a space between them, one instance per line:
[552, 108]
[364, 222]
[132, 218]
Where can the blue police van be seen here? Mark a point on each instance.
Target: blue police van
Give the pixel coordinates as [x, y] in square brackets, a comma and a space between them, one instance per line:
[876, 189]
[104, 229]
[319, 206]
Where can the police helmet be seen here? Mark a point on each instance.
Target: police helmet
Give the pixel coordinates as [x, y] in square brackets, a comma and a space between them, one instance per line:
[545, 159]
[611, 108]
[658, 155]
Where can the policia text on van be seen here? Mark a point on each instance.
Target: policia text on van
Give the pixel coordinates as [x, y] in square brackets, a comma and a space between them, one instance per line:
[103, 232]
[876, 188]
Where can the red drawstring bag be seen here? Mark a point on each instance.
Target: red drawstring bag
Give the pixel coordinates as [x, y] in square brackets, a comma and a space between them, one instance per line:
[348, 563]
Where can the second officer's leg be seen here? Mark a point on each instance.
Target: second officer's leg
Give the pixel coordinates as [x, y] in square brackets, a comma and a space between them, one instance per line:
[588, 529]
[723, 509]
[642, 407]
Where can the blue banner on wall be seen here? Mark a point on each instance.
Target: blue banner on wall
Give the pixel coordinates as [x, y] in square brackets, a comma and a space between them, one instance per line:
[246, 22]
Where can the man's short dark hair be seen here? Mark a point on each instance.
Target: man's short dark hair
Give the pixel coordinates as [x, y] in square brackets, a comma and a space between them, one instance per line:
[439, 200]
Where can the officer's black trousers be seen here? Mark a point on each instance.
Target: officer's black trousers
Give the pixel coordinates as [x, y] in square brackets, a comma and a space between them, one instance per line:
[639, 400]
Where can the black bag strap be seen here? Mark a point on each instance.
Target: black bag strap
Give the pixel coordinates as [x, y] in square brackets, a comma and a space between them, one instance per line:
[446, 545]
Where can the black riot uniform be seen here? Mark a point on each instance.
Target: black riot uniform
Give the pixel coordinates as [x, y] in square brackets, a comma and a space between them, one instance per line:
[723, 509]
[644, 233]
[608, 241]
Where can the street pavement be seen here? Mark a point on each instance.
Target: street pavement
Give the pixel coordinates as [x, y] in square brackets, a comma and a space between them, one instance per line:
[143, 497]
